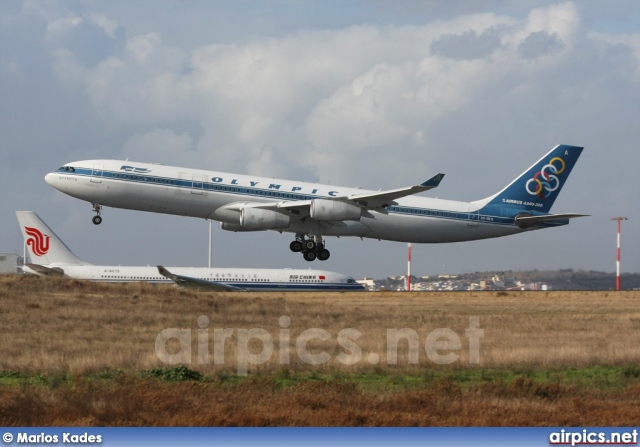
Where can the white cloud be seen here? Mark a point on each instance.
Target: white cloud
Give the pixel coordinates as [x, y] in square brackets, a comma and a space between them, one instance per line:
[61, 25]
[314, 100]
[109, 26]
[66, 66]
[176, 148]
[141, 49]
[631, 42]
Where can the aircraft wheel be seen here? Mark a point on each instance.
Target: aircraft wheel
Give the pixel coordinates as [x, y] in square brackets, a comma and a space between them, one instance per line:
[309, 245]
[295, 246]
[97, 220]
[309, 256]
[323, 254]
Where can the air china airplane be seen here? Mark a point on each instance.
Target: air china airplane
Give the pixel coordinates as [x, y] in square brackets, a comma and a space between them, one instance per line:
[54, 258]
[315, 211]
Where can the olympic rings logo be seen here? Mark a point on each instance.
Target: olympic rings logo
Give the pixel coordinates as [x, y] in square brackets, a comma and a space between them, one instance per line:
[544, 181]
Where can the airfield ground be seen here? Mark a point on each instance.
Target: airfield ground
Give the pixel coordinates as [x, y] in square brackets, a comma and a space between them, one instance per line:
[79, 353]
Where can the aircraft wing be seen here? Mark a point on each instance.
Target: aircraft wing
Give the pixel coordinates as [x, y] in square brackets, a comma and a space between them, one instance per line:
[381, 199]
[187, 281]
[529, 221]
[42, 270]
[377, 200]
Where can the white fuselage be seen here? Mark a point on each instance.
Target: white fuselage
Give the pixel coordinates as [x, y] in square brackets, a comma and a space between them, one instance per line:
[242, 278]
[204, 194]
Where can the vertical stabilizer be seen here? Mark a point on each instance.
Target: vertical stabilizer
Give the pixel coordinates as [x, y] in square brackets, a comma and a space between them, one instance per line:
[43, 246]
[538, 187]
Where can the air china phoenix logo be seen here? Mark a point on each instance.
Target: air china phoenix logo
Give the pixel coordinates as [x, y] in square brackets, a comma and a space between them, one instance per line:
[38, 242]
[544, 182]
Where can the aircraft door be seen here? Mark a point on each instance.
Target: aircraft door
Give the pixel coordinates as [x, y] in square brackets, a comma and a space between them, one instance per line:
[96, 173]
[197, 184]
[474, 218]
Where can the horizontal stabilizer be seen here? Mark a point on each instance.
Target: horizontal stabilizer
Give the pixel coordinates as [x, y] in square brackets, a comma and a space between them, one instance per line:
[187, 281]
[42, 270]
[526, 220]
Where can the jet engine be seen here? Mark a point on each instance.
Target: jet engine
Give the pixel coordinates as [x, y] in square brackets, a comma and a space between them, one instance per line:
[322, 209]
[233, 227]
[259, 219]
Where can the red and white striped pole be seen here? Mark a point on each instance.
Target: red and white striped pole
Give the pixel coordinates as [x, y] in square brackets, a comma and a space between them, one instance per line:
[409, 267]
[619, 218]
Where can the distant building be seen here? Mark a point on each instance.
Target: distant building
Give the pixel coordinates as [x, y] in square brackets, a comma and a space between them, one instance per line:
[369, 283]
[9, 263]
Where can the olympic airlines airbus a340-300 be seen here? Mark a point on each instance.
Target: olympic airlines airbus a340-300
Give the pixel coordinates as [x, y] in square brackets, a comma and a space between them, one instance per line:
[315, 211]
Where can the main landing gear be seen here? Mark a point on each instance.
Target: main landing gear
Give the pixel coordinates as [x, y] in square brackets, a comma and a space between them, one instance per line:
[97, 220]
[311, 249]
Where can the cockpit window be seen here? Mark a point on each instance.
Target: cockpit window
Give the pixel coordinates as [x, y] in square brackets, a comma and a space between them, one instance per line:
[66, 169]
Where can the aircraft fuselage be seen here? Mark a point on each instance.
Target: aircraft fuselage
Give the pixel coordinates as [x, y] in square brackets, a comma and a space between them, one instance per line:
[203, 194]
[313, 211]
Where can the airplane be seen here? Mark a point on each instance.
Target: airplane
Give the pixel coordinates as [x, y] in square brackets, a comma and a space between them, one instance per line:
[51, 257]
[315, 211]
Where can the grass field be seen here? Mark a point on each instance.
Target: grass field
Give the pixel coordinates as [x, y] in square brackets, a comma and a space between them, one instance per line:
[77, 353]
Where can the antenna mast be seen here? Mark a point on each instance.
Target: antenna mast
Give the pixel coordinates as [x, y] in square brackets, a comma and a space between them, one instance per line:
[619, 218]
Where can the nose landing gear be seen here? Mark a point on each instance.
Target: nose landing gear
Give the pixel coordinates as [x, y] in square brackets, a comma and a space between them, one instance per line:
[311, 249]
[97, 220]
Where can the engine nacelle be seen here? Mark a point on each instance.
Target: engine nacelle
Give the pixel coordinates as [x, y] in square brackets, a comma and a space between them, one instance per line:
[322, 209]
[227, 215]
[233, 227]
[258, 219]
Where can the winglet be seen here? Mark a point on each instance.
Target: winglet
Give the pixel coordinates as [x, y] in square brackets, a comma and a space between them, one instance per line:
[382, 199]
[187, 281]
[166, 273]
[433, 182]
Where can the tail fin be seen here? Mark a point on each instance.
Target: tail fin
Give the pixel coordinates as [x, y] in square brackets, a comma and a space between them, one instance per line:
[44, 247]
[537, 188]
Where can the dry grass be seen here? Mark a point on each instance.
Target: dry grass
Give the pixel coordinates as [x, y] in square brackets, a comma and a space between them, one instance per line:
[260, 402]
[57, 325]
[75, 329]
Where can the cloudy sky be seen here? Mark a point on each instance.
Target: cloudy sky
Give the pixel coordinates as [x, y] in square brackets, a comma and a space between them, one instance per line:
[375, 94]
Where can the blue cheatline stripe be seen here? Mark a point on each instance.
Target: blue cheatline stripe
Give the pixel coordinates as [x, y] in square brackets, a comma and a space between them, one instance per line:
[251, 285]
[276, 194]
[281, 286]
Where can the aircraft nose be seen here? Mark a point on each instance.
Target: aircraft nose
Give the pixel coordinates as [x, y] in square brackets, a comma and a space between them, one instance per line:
[51, 179]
